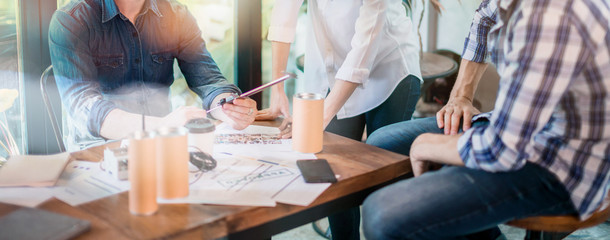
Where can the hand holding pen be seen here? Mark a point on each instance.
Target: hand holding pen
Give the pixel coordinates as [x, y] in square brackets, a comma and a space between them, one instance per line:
[252, 92]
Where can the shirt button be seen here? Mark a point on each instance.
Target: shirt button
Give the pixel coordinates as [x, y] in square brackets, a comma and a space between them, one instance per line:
[135, 34]
[137, 60]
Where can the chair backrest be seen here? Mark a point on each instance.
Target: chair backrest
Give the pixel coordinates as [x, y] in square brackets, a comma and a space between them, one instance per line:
[48, 88]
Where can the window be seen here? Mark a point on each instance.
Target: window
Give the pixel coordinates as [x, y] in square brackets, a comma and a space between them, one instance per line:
[11, 117]
[215, 19]
[295, 59]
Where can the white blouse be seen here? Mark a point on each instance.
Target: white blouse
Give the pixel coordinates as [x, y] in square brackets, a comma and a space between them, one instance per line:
[370, 42]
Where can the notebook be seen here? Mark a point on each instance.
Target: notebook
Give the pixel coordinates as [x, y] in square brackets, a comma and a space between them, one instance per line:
[32, 223]
[33, 170]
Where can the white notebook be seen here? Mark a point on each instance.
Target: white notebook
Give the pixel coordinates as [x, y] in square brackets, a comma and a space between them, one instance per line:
[33, 170]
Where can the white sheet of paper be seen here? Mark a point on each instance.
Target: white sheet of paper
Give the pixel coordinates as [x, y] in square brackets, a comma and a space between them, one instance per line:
[244, 180]
[298, 192]
[198, 196]
[253, 138]
[243, 176]
[84, 181]
[33, 170]
[25, 196]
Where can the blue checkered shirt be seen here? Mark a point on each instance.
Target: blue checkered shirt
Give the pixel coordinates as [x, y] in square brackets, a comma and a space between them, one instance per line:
[553, 104]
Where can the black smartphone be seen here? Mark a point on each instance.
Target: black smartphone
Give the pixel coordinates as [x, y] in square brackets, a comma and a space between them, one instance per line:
[316, 171]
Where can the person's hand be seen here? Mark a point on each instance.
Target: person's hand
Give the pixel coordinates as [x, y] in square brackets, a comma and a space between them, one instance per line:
[279, 105]
[419, 166]
[241, 112]
[181, 116]
[286, 128]
[424, 149]
[457, 109]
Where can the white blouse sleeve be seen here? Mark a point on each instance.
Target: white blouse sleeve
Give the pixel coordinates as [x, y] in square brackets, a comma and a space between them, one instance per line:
[365, 43]
[284, 20]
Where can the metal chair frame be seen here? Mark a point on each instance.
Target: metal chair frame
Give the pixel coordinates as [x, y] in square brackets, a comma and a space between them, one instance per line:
[49, 107]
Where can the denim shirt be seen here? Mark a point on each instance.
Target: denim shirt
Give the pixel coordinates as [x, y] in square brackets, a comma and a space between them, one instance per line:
[103, 62]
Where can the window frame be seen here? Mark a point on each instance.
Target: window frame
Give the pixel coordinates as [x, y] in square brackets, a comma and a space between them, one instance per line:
[34, 57]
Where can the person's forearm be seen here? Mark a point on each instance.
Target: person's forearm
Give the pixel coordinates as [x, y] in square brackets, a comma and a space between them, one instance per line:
[118, 124]
[426, 148]
[341, 91]
[279, 58]
[468, 78]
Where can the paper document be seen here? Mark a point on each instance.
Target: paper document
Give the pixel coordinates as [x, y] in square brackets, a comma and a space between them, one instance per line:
[25, 196]
[83, 182]
[253, 138]
[198, 196]
[251, 181]
[298, 192]
[32, 170]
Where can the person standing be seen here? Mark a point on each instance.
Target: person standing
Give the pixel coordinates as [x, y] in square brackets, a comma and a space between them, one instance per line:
[363, 56]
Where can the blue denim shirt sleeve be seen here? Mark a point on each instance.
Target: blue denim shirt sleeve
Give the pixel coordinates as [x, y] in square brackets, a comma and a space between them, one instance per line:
[201, 72]
[75, 72]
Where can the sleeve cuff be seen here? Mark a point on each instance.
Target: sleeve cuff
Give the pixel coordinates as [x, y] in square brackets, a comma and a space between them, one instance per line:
[355, 75]
[464, 147]
[210, 98]
[99, 111]
[474, 51]
[281, 34]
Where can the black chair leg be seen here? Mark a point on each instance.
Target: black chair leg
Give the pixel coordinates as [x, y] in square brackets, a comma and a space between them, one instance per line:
[323, 233]
[540, 235]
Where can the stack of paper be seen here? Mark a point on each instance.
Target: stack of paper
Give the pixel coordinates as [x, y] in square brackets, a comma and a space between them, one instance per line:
[32, 170]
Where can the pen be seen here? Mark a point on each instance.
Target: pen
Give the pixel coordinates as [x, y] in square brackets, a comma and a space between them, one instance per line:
[254, 91]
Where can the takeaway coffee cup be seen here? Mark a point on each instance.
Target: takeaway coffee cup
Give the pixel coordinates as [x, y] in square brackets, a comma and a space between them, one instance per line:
[200, 135]
[307, 122]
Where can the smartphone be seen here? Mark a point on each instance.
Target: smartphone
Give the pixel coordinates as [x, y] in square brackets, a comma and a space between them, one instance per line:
[316, 171]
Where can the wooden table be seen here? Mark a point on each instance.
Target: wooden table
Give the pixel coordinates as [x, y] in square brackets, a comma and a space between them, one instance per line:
[363, 168]
[435, 66]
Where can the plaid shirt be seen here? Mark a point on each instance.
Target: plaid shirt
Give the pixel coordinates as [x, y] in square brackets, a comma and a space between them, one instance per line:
[553, 106]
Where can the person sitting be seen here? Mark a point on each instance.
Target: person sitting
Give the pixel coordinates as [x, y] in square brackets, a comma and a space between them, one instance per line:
[543, 150]
[113, 62]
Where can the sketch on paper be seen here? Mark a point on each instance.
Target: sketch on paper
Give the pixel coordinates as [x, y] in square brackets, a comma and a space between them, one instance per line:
[243, 138]
[255, 177]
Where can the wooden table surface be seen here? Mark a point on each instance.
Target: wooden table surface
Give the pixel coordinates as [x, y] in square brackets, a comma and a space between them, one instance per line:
[362, 168]
[434, 66]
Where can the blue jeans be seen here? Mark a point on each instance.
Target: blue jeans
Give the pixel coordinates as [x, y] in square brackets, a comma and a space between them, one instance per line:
[457, 202]
[399, 107]
[399, 136]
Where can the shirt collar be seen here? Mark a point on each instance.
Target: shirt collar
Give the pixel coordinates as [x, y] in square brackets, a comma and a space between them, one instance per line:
[110, 9]
[152, 5]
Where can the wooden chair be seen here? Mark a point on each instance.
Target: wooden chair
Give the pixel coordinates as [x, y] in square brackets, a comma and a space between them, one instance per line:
[558, 227]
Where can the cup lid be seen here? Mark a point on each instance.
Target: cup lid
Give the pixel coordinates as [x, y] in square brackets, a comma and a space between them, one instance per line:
[309, 96]
[200, 125]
